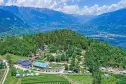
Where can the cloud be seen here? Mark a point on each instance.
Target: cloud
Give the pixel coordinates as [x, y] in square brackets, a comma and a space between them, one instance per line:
[63, 6]
[96, 10]
[1, 2]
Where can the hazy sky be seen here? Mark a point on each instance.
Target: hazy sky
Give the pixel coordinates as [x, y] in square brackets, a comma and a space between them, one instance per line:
[82, 3]
[81, 7]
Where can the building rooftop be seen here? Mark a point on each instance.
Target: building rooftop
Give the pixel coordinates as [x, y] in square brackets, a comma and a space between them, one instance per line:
[25, 63]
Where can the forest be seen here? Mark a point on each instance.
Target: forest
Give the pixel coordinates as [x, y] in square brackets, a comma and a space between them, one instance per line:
[98, 53]
[64, 40]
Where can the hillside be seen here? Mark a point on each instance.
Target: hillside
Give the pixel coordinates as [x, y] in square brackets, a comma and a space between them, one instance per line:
[9, 21]
[67, 49]
[109, 27]
[63, 40]
[112, 22]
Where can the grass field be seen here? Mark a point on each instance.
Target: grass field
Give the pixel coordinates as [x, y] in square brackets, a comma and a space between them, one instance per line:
[110, 80]
[81, 79]
[86, 79]
[14, 58]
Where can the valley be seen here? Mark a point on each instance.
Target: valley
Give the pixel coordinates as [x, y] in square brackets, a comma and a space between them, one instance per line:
[108, 27]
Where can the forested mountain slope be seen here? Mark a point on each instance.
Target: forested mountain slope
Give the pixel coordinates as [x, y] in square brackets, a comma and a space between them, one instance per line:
[65, 40]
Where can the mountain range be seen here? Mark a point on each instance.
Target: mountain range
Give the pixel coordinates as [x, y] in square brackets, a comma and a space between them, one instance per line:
[109, 27]
[9, 21]
[38, 17]
[113, 22]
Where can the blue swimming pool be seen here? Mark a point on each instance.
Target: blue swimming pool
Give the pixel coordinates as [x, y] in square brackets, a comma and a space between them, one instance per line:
[40, 64]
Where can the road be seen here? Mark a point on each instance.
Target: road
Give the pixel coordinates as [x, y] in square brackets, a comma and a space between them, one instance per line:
[60, 72]
[6, 72]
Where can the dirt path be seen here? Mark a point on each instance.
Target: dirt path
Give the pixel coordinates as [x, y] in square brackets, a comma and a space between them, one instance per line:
[70, 80]
[19, 81]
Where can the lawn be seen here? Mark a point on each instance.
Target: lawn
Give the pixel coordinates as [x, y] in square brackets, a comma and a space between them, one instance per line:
[86, 79]
[81, 79]
[14, 58]
[1, 57]
[110, 80]
[43, 78]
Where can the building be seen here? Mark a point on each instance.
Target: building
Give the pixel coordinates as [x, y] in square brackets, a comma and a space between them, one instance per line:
[25, 63]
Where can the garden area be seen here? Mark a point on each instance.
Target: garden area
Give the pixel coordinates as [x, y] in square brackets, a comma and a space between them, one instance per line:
[42, 78]
[51, 78]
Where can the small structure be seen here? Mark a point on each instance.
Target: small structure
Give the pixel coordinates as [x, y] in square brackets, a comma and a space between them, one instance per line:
[18, 75]
[37, 74]
[32, 74]
[123, 72]
[40, 65]
[106, 75]
[24, 75]
[25, 70]
[17, 72]
[81, 56]
[25, 63]
[102, 68]
[70, 71]
[81, 63]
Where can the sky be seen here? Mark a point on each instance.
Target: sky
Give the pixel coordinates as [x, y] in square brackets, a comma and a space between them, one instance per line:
[79, 7]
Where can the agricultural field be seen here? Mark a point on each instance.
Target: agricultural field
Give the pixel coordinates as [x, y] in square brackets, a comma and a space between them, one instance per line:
[35, 79]
[51, 78]
[43, 78]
